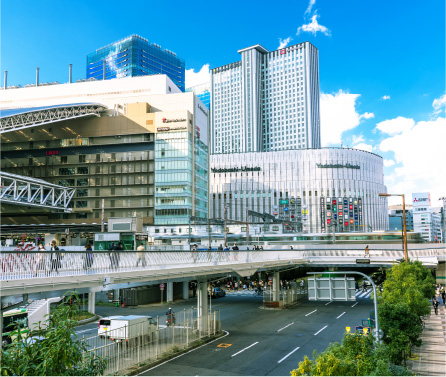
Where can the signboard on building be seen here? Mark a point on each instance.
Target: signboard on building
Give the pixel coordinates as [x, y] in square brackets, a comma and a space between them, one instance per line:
[421, 199]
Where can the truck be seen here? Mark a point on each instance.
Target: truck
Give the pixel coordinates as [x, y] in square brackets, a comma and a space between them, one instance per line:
[130, 328]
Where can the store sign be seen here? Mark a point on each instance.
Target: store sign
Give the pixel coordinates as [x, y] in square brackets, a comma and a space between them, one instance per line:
[165, 120]
[235, 170]
[203, 110]
[282, 52]
[421, 199]
[167, 129]
[51, 153]
[338, 166]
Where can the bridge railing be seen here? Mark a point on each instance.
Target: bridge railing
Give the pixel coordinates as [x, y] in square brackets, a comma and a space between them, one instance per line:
[17, 265]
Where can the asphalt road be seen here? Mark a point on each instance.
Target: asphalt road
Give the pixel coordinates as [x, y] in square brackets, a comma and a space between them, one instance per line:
[257, 341]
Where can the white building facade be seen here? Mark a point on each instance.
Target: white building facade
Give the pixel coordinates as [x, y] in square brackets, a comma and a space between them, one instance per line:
[268, 101]
[426, 220]
[314, 190]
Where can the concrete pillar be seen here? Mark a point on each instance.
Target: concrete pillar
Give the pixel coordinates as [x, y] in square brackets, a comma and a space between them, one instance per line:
[276, 286]
[202, 305]
[169, 292]
[441, 273]
[91, 302]
[185, 290]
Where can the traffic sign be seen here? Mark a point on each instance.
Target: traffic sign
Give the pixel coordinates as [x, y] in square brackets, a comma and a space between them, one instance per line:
[285, 209]
[162, 287]
[348, 329]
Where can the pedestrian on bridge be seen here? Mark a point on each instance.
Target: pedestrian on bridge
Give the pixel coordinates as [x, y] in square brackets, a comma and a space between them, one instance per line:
[435, 305]
[366, 252]
[88, 262]
[55, 257]
[140, 255]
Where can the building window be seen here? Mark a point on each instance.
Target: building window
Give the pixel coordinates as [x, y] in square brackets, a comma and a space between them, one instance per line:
[82, 158]
[67, 171]
[81, 192]
[81, 203]
[30, 161]
[157, 230]
[82, 170]
[63, 159]
[112, 203]
[82, 182]
[98, 158]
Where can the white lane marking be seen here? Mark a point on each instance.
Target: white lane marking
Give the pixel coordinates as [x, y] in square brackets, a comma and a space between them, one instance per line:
[285, 327]
[244, 349]
[80, 332]
[339, 316]
[283, 358]
[355, 304]
[328, 303]
[212, 341]
[323, 328]
[306, 315]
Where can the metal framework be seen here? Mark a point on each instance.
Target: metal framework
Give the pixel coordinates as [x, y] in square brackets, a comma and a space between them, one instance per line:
[39, 116]
[25, 191]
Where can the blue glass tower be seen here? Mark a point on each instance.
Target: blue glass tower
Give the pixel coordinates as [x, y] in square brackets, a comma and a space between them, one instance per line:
[135, 56]
[203, 91]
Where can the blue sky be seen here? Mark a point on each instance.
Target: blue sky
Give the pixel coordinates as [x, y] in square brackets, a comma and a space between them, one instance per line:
[382, 63]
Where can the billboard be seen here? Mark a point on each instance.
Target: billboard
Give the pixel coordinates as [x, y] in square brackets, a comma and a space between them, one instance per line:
[421, 199]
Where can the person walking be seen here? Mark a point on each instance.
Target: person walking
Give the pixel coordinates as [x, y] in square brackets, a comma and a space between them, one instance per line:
[366, 252]
[55, 257]
[435, 305]
[443, 295]
[140, 255]
[112, 255]
[40, 260]
[364, 286]
[88, 261]
[356, 286]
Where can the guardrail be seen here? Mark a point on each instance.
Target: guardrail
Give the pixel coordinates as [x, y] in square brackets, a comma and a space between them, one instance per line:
[142, 347]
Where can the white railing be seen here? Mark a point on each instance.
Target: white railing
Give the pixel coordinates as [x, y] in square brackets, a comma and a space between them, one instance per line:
[141, 348]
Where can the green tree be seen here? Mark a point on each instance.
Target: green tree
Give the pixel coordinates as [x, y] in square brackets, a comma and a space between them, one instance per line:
[60, 353]
[402, 329]
[411, 283]
[358, 355]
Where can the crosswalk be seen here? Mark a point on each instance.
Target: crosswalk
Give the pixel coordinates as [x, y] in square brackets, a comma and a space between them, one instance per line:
[364, 294]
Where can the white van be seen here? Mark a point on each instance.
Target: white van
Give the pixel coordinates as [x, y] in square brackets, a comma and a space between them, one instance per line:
[104, 326]
[129, 327]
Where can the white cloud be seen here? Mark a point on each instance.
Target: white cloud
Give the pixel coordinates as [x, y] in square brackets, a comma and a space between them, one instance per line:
[438, 104]
[193, 78]
[357, 139]
[395, 126]
[420, 153]
[363, 147]
[313, 27]
[338, 114]
[389, 163]
[385, 97]
[310, 6]
[284, 42]
[367, 116]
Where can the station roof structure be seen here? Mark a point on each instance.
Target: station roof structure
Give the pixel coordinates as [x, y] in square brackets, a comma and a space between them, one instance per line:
[21, 118]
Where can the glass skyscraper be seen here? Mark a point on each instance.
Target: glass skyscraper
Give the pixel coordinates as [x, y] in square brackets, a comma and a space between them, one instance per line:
[203, 91]
[135, 56]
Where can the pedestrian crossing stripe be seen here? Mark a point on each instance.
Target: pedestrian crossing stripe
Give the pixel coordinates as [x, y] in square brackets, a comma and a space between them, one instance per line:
[224, 345]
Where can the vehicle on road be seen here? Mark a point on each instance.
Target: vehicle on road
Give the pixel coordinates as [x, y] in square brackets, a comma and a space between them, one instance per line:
[14, 323]
[218, 292]
[104, 326]
[129, 328]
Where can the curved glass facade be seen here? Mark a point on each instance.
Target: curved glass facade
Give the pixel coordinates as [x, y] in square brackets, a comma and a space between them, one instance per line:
[312, 185]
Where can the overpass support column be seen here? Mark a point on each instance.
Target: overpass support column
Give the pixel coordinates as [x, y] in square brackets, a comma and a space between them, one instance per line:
[91, 302]
[441, 273]
[202, 304]
[169, 292]
[276, 286]
[185, 290]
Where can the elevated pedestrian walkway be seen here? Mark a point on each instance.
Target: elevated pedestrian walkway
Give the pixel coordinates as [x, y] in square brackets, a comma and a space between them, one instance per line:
[432, 352]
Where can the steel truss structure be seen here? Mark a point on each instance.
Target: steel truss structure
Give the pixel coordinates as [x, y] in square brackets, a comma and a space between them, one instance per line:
[32, 192]
[33, 117]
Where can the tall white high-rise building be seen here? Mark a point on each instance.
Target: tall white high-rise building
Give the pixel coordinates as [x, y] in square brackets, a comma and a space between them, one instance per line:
[268, 101]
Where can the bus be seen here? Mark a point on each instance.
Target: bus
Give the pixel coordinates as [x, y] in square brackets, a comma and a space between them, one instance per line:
[11, 319]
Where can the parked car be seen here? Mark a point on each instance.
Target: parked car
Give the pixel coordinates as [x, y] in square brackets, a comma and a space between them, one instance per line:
[218, 292]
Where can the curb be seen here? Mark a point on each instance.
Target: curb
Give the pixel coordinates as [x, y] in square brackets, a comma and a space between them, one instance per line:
[88, 320]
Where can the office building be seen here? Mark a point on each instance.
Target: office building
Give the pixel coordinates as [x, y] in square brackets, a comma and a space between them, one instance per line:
[426, 219]
[267, 101]
[135, 56]
[396, 218]
[145, 155]
[203, 91]
[311, 190]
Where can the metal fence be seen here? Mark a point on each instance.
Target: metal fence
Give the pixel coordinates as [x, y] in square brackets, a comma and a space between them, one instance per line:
[287, 297]
[140, 346]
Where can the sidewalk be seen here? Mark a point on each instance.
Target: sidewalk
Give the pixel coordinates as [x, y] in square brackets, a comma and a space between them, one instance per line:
[432, 352]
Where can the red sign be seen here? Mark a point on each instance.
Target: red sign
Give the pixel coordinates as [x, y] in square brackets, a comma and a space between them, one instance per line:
[162, 287]
[283, 51]
[51, 153]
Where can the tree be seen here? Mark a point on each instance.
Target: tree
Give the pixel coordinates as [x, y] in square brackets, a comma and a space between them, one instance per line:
[59, 353]
[411, 283]
[401, 328]
[358, 355]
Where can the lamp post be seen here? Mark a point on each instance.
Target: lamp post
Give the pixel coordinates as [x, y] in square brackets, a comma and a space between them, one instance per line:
[404, 222]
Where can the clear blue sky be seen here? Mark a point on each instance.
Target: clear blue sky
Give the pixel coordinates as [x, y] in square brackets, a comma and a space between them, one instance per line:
[379, 60]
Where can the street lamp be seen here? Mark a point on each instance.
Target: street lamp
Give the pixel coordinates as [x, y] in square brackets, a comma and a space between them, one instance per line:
[404, 223]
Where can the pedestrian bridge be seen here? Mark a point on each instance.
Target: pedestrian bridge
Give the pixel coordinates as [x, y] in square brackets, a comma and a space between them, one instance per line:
[25, 272]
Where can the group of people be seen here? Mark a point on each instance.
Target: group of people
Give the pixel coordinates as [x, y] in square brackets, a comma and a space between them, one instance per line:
[439, 291]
